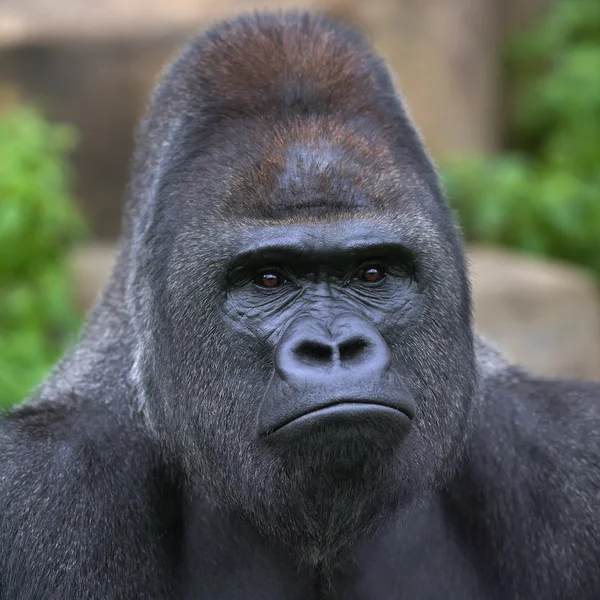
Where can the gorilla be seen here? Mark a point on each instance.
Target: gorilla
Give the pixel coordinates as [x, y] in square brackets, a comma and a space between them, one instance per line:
[280, 395]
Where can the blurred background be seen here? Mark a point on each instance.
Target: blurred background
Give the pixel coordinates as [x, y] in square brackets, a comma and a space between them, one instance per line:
[506, 94]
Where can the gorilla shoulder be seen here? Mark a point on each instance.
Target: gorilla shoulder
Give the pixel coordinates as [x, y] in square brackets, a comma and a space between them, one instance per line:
[73, 478]
[64, 436]
[561, 412]
[564, 405]
[548, 428]
[532, 473]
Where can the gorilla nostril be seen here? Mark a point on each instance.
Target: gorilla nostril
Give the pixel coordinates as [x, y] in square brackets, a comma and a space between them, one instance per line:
[314, 352]
[353, 348]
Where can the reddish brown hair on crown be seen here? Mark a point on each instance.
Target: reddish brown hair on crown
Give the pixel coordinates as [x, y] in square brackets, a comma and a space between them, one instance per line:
[291, 60]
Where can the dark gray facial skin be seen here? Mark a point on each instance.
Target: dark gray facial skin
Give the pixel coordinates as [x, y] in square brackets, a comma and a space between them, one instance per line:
[279, 395]
[322, 299]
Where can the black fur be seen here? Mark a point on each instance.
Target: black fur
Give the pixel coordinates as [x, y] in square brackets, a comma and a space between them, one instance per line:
[170, 455]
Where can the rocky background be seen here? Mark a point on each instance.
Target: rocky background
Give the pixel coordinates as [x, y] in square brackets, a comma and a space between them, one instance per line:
[93, 63]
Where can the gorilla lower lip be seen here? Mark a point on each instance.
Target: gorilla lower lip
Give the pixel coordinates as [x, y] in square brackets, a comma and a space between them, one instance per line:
[345, 413]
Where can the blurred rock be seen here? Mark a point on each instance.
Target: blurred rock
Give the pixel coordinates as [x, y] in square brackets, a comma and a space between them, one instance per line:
[24, 21]
[544, 316]
[91, 268]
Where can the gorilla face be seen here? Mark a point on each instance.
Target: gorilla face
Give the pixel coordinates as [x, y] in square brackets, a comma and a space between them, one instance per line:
[298, 287]
[325, 296]
[315, 371]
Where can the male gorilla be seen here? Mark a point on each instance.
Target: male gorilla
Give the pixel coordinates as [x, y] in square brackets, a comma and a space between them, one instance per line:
[279, 395]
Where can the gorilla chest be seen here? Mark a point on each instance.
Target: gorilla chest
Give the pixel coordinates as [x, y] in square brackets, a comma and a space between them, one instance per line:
[420, 560]
[430, 568]
[428, 573]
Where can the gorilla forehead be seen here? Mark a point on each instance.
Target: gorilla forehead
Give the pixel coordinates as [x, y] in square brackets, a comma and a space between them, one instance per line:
[316, 179]
[306, 167]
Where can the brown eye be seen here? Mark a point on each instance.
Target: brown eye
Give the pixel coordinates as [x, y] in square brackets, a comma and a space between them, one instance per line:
[372, 273]
[268, 279]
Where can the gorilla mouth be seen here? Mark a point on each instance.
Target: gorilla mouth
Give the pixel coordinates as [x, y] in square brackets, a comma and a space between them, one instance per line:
[345, 413]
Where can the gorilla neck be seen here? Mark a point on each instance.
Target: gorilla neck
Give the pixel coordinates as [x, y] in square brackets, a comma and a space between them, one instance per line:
[317, 512]
[318, 534]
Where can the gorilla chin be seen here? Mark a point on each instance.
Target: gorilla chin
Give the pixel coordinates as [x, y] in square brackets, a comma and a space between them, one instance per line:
[336, 481]
[342, 437]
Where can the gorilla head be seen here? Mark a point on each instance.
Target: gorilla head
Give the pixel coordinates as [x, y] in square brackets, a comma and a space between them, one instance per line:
[303, 324]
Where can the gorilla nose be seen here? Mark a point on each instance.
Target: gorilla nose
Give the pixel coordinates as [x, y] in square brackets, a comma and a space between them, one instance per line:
[338, 372]
[350, 347]
[328, 353]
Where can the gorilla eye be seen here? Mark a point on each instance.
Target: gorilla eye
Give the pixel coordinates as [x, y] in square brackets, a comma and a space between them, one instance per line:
[371, 273]
[268, 279]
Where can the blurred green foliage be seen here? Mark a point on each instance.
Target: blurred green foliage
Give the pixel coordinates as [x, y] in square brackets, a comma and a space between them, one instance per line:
[38, 225]
[543, 194]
